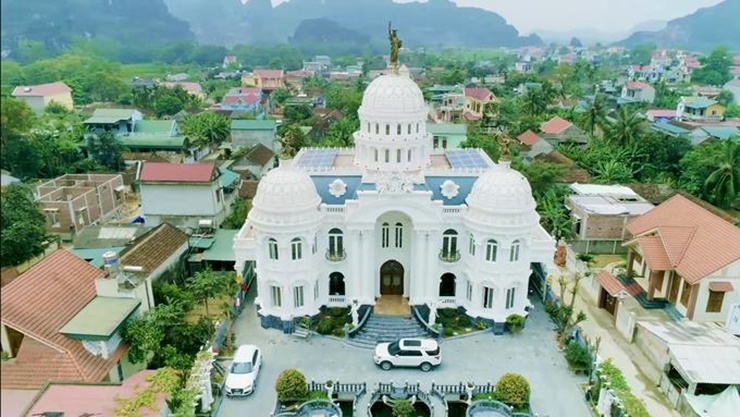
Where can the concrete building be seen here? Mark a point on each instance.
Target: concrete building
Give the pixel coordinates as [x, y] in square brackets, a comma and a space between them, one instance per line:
[39, 96]
[248, 133]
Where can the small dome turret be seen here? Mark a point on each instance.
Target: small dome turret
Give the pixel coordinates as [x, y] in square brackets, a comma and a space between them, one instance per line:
[285, 195]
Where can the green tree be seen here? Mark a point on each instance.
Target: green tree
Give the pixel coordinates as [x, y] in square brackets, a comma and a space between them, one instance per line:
[595, 115]
[542, 175]
[725, 97]
[207, 128]
[204, 285]
[143, 338]
[626, 129]
[291, 136]
[346, 99]
[513, 389]
[23, 233]
[168, 105]
[535, 102]
[106, 150]
[340, 133]
[612, 172]
[291, 386]
[723, 184]
[487, 143]
[297, 113]
[239, 210]
[30, 51]
[732, 111]
[279, 96]
[554, 216]
[715, 68]
[642, 54]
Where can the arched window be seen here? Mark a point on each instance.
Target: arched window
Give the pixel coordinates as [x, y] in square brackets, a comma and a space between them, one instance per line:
[447, 285]
[336, 284]
[417, 128]
[399, 235]
[385, 235]
[449, 244]
[471, 245]
[491, 250]
[514, 253]
[336, 243]
[296, 249]
[409, 155]
[272, 247]
[387, 155]
[409, 129]
[377, 128]
[387, 129]
[398, 129]
[376, 154]
[398, 155]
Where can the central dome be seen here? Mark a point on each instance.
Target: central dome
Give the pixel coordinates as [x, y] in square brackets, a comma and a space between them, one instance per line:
[392, 95]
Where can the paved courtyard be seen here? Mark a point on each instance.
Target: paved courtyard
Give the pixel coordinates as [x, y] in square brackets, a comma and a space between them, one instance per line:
[480, 358]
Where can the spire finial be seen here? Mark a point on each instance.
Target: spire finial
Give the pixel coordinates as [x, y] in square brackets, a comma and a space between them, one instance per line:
[503, 143]
[396, 45]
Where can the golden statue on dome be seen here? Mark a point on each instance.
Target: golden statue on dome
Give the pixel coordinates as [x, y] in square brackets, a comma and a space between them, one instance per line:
[396, 45]
[504, 141]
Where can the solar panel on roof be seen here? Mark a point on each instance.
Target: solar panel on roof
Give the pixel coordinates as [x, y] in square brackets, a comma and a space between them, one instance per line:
[318, 158]
[466, 158]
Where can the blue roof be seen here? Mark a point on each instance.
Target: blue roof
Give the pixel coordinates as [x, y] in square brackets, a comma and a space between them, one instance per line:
[698, 102]
[322, 183]
[95, 256]
[434, 184]
[721, 132]
[668, 128]
[466, 158]
[228, 177]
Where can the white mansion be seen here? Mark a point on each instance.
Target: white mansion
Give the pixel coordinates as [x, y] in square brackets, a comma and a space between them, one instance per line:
[392, 216]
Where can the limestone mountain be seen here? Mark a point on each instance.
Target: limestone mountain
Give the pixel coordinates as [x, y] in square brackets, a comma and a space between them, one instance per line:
[433, 23]
[57, 23]
[702, 30]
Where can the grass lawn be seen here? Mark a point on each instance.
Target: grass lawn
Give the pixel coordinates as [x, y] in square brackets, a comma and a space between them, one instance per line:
[601, 261]
[155, 70]
[214, 308]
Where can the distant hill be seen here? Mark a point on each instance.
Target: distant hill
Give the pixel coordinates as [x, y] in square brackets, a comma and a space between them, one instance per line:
[702, 30]
[434, 23]
[319, 36]
[591, 36]
[57, 23]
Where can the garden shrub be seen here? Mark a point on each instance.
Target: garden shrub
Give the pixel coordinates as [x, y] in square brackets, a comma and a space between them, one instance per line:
[515, 322]
[632, 405]
[513, 390]
[402, 408]
[291, 386]
[578, 355]
[168, 293]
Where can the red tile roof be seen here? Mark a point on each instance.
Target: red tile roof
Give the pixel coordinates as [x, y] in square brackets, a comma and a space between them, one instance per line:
[477, 93]
[95, 399]
[41, 90]
[636, 85]
[470, 117]
[268, 73]
[694, 242]
[612, 285]
[243, 95]
[164, 172]
[528, 138]
[190, 87]
[38, 304]
[555, 126]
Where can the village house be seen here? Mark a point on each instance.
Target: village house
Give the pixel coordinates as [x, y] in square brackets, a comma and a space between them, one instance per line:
[733, 86]
[116, 121]
[600, 214]
[257, 162]
[192, 88]
[447, 135]
[687, 257]
[558, 130]
[93, 241]
[660, 115]
[241, 100]
[229, 60]
[74, 201]
[296, 78]
[248, 133]
[186, 195]
[532, 146]
[451, 103]
[476, 100]
[646, 73]
[75, 337]
[699, 109]
[37, 97]
[711, 132]
[638, 91]
[524, 67]
[264, 79]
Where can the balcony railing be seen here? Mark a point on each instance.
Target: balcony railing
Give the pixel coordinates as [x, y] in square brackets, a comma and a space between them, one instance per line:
[446, 301]
[336, 255]
[337, 301]
[449, 256]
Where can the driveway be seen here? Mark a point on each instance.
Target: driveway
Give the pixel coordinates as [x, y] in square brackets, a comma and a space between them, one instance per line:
[480, 358]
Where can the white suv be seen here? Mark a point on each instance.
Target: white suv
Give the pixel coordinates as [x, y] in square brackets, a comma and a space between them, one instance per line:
[242, 378]
[421, 353]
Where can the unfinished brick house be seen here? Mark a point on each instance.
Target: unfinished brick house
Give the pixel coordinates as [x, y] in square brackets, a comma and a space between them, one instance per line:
[74, 201]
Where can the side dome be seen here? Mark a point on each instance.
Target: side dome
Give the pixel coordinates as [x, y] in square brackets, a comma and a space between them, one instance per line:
[285, 195]
[501, 191]
[392, 95]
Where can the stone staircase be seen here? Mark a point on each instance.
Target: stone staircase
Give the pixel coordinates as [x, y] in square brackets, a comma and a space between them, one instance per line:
[381, 328]
[634, 289]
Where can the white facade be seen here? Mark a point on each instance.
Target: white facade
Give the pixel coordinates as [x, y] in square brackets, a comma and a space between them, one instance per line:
[393, 216]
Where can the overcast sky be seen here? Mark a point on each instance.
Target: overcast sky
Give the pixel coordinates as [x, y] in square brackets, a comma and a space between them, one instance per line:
[604, 15]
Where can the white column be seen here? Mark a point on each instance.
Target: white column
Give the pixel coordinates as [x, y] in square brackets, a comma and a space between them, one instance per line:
[355, 257]
[416, 290]
[427, 256]
[369, 273]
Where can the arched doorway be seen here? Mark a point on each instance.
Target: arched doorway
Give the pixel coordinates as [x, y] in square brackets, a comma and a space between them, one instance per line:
[447, 285]
[391, 278]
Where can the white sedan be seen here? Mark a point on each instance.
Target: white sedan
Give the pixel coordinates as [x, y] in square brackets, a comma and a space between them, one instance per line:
[242, 378]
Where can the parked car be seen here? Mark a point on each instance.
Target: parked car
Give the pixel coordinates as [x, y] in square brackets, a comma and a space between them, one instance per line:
[242, 378]
[421, 353]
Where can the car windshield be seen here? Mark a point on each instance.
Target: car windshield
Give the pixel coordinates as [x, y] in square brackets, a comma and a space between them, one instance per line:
[393, 348]
[241, 368]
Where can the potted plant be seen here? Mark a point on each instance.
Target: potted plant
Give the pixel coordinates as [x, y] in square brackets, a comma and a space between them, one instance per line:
[515, 323]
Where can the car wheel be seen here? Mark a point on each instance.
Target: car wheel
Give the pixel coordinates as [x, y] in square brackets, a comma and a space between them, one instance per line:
[386, 366]
[426, 367]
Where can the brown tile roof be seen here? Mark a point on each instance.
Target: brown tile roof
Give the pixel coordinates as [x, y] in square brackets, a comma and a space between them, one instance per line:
[612, 285]
[654, 254]
[269, 73]
[41, 90]
[477, 93]
[151, 250]
[528, 138]
[695, 241]
[555, 126]
[39, 303]
[260, 154]
[164, 172]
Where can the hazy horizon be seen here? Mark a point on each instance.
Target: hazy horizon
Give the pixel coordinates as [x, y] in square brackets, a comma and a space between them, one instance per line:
[601, 15]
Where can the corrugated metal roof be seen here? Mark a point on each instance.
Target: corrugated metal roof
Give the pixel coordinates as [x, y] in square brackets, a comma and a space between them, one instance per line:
[223, 247]
[101, 317]
[253, 125]
[447, 128]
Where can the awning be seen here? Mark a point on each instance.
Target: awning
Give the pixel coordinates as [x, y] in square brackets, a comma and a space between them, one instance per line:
[721, 286]
[611, 284]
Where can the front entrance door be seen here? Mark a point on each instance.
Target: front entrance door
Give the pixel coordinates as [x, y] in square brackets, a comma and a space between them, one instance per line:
[675, 285]
[391, 278]
[608, 302]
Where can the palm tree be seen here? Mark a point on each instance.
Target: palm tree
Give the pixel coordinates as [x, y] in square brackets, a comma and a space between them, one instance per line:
[626, 129]
[595, 115]
[535, 102]
[723, 184]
